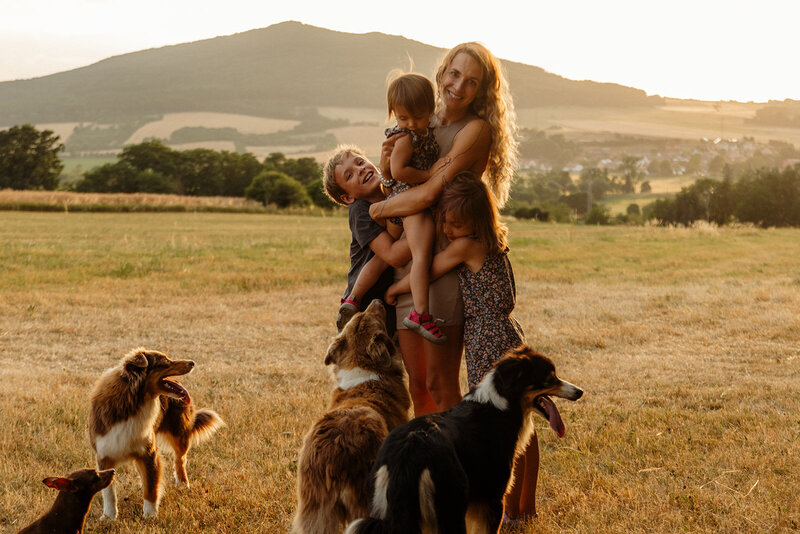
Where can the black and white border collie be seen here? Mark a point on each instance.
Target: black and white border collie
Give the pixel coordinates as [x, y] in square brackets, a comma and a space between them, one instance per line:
[437, 472]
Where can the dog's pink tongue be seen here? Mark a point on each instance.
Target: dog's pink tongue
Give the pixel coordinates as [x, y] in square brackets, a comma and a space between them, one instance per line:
[187, 399]
[553, 416]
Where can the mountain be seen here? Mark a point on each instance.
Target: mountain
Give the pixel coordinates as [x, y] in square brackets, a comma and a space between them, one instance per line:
[276, 71]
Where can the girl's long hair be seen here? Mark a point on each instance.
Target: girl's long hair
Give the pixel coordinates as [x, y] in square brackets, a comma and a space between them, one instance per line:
[468, 197]
[493, 103]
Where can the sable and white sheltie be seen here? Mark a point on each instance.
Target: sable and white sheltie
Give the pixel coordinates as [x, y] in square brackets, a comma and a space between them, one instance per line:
[441, 471]
[133, 402]
[370, 399]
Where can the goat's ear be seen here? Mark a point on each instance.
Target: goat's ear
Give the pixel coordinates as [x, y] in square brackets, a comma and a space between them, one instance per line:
[136, 362]
[380, 349]
[59, 483]
[333, 350]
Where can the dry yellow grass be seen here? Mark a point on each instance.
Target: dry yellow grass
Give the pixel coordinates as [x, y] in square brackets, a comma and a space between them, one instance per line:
[685, 341]
[61, 129]
[67, 199]
[230, 146]
[376, 115]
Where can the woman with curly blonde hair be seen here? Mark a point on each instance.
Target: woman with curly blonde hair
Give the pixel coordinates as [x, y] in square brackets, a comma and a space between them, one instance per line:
[494, 105]
[475, 128]
[476, 119]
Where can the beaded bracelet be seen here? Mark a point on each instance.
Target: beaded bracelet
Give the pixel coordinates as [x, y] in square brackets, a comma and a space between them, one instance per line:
[387, 182]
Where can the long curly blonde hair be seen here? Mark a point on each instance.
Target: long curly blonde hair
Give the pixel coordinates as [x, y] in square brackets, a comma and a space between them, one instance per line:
[494, 104]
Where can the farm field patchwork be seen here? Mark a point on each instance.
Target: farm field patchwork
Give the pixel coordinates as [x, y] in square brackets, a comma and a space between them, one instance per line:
[684, 340]
[163, 128]
[675, 119]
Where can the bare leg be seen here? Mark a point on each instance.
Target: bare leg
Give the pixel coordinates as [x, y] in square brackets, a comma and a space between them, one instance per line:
[396, 231]
[420, 233]
[443, 367]
[411, 346]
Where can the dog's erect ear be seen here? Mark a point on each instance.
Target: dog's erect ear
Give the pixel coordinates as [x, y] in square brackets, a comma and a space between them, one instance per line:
[136, 362]
[510, 378]
[380, 349]
[334, 349]
[59, 483]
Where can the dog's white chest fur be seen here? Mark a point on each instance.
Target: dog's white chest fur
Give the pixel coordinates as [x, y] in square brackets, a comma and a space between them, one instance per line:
[130, 435]
[349, 378]
[488, 394]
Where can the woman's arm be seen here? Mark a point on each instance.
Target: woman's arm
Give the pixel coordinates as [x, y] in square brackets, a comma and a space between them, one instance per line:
[470, 146]
[459, 251]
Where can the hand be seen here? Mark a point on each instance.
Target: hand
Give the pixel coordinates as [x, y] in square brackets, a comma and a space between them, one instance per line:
[375, 210]
[440, 165]
[391, 296]
[386, 152]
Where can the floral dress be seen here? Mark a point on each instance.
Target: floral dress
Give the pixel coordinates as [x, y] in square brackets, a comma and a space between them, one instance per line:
[425, 153]
[489, 329]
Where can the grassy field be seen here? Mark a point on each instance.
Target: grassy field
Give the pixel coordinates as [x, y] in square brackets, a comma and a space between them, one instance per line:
[686, 342]
[70, 201]
[661, 187]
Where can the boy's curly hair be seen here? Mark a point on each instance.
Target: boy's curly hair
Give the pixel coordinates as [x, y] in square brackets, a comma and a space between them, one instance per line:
[332, 188]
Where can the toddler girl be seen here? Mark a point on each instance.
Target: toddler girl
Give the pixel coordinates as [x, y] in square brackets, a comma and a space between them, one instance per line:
[479, 250]
[411, 102]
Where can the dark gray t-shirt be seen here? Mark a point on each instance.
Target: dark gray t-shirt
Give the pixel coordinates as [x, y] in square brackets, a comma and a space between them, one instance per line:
[364, 229]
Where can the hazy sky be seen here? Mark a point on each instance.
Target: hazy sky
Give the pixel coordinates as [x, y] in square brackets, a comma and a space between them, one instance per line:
[705, 49]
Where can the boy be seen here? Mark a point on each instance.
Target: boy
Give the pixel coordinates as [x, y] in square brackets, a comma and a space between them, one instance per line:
[350, 179]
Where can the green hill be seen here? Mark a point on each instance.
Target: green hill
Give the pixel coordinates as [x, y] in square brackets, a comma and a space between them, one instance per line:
[272, 72]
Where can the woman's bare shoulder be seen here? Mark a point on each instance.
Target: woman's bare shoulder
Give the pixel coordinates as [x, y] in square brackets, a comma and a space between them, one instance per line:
[475, 128]
[474, 138]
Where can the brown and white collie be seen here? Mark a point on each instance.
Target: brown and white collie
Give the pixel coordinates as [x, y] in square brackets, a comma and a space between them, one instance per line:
[369, 399]
[133, 402]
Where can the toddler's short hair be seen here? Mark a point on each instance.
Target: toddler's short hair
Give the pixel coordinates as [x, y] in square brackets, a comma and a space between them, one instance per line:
[413, 92]
[332, 188]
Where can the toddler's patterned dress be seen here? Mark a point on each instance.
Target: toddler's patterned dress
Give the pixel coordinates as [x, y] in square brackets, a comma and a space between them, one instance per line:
[425, 153]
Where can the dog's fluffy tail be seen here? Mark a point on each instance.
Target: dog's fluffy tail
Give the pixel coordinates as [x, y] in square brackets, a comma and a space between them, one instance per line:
[405, 499]
[368, 525]
[206, 422]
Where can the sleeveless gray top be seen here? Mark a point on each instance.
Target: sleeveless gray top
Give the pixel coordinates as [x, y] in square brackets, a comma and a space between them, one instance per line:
[446, 134]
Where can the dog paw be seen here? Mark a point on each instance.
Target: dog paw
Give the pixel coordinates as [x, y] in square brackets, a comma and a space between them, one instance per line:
[149, 509]
[108, 517]
[180, 483]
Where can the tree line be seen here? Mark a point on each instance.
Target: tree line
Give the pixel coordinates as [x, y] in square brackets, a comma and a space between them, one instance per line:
[29, 160]
[765, 196]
